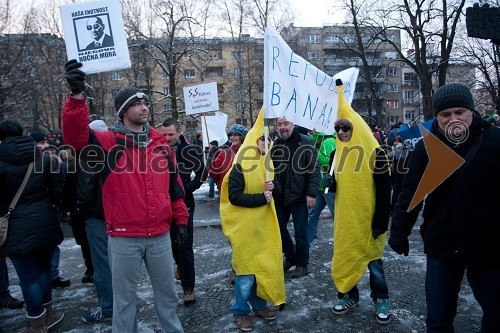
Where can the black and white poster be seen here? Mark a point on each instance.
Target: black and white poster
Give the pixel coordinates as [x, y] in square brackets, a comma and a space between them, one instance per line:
[95, 35]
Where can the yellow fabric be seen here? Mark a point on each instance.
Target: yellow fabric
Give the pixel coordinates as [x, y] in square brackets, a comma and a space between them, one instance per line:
[254, 233]
[353, 245]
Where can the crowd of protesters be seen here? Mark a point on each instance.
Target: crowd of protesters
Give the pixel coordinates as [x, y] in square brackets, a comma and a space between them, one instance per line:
[124, 219]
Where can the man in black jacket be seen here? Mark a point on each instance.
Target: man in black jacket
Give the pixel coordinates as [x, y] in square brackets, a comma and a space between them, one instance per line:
[460, 229]
[189, 159]
[297, 172]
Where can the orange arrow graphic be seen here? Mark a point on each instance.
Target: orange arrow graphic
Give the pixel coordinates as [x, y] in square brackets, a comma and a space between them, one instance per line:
[443, 162]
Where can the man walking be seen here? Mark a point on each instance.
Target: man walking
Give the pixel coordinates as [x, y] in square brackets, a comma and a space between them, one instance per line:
[460, 229]
[189, 159]
[142, 198]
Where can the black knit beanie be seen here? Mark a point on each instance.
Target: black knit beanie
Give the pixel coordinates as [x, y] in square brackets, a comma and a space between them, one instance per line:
[452, 95]
[38, 136]
[125, 97]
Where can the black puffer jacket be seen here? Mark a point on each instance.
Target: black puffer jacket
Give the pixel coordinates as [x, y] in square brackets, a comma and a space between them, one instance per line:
[296, 168]
[33, 225]
[461, 220]
[189, 159]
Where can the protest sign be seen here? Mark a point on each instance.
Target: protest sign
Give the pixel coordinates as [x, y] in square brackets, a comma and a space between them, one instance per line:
[295, 89]
[412, 134]
[201, 98]
[95, 35]
[214, 128]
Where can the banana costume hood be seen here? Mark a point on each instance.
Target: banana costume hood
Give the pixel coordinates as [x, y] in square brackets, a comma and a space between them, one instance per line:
[254, 233]
[354, 246]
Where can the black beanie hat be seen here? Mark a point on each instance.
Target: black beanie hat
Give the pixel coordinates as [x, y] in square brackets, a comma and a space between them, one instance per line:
[38, 136]
[452, 95]
[125, 97]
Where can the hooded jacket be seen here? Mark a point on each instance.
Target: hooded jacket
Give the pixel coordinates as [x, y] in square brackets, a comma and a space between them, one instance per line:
[459, 220]
[141, 188]
[33, 224]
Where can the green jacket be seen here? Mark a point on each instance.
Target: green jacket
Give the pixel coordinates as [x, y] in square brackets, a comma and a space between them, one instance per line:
[325, 145]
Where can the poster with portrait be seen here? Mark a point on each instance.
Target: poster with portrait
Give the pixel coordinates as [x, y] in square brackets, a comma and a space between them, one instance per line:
[95, 35]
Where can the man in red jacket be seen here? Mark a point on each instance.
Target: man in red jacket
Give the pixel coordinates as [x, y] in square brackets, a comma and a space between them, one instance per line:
[142, 198]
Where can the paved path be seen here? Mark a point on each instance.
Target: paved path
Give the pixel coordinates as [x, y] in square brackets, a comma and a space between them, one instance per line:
[309, 299]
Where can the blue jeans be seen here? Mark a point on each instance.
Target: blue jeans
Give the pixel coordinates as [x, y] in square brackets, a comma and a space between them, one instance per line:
[126, 255]
[54, 263]
[378, 285]
[211, 187]
[4, 276]
[322, 200]
[442, 285]
[298, 254]
[35, 280]
[98, 243]
[245, 289]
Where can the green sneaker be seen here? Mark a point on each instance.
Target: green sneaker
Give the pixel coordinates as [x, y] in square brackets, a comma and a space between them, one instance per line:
[382, 311]
[345, 304]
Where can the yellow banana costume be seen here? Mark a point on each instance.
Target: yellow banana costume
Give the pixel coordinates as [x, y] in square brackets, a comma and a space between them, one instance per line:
[254, 233]
[354, 246]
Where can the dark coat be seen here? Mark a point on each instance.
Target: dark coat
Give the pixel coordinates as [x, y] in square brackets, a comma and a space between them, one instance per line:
[236, 191]
[296, 168]
[34, 224]
[189, 159]
[461, 220]
[106, 42]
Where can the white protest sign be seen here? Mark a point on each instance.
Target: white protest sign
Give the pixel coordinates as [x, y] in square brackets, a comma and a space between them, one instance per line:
[214, 128]
[201, 98]
[95, 35]
[295, 89]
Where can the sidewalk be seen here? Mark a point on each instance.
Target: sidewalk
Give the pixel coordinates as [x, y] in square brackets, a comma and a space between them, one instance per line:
[309, 299]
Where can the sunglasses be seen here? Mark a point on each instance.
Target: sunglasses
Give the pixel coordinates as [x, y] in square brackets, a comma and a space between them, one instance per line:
[344, 128]
[96, 26]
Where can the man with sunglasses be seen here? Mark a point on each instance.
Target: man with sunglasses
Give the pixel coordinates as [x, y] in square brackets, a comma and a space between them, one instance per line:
[100, 39]
[142, 195]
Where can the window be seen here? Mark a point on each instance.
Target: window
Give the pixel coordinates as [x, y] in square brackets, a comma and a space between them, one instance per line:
[241, 121]
[116, 76]
[409, 79]
[240, 106]
[392, 104]
[314, 39]
[239, 72]
[392, 87]
[390, 55]
[166, 91]
[392, 71]
[168, 107]
[165, 75]
[393, 120]
[113, 93]
[191, 124]
[28, 112]
[239, 89]
[214, 72]
[189, 73]
[216, 55]
[408, 96]
[239, 55]
[332, 39]
[409, 115]
[313, 55]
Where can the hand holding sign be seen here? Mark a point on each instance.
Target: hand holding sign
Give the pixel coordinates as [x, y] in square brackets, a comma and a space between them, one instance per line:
[74, 76]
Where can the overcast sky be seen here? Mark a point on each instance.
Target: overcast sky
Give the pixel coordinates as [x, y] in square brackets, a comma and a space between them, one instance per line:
[316, 12]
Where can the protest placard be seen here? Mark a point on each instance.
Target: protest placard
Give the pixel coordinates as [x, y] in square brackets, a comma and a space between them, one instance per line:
[201, 98]
[295, 89]
[95, 35]
[214, 128]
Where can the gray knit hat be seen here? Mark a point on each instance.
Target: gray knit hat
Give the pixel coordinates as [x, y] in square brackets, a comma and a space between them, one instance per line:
[452, 95]
[125, 97]
[238, 129]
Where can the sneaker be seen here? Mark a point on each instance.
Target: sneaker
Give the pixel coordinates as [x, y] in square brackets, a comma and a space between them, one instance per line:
[189, 296]
[382, 311]
[299, 272]
[177, 273]
[244, 323]
[287, 265]
[95, 316]
[265, 313]
[344, 305]
[60, 282]
[9, 302]
[88, 277]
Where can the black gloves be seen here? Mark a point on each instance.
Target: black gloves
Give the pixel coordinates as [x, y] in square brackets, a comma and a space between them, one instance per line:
[328, 181]
[74, 76]
[376, 232]
[400, 245]
[181, 235]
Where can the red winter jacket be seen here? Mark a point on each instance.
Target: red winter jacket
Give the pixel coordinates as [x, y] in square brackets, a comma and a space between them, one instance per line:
[141, 189]
[222, 163]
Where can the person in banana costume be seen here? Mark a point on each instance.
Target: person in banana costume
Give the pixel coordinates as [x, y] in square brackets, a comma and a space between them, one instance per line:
[249, 221]
[361, 179]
